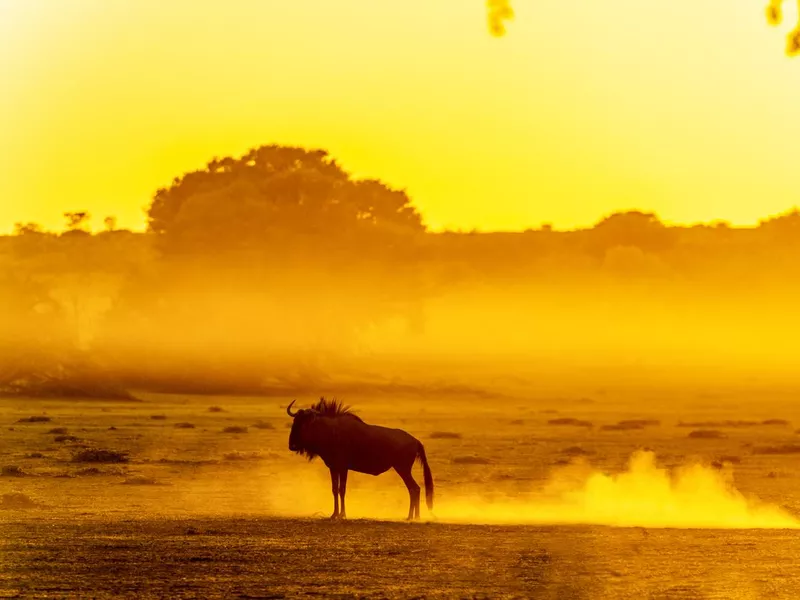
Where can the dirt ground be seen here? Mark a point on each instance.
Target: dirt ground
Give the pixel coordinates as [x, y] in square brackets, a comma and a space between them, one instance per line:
[535, 497]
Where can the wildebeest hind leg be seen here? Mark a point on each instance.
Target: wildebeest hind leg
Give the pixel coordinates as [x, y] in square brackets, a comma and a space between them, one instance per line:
[413, 492]
[335, 489]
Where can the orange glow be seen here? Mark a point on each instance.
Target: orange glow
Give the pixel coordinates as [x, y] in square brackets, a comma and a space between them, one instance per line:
[685, 108]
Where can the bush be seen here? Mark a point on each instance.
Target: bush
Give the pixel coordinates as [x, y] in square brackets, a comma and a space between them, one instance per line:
[94, 455]
[158, 417]
[184, 426]
[706, 434]
[12, 471]
[782, 449]
[216, 409]
[58, 431]
[445, 435]
[235, 429]
[570, 421]
[36, 419]
[263, 425]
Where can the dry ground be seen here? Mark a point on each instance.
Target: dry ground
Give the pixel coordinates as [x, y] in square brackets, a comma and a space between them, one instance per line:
[204, 512]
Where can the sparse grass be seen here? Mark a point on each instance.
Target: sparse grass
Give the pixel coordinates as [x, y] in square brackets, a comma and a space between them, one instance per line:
[36, 419]
[576, 451]
[781, 449]
[470, 460]
[263, 425]
[622, 427]
[570, 421]
[140, 480]
[12, 471]
[706, 434]
[235, 429]
[234, 456]
[734, 460]
[703, 424]
[88, 471]
[184, 425]
[95, 455]
[216, 409]
[734, 424]
[58, 431]
[445, 435]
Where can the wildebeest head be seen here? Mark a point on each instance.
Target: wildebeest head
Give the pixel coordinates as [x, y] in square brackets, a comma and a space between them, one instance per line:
[302, 418]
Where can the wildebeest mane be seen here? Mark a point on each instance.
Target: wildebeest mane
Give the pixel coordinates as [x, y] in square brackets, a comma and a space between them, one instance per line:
[334, 408]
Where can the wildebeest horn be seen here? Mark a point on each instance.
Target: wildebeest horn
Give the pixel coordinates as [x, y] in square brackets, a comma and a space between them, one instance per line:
[289, 410]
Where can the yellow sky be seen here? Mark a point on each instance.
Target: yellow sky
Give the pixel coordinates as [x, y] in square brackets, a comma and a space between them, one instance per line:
[687, 108]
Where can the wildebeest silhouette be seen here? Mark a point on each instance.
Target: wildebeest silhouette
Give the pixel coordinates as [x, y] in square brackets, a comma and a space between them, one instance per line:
[346, 443]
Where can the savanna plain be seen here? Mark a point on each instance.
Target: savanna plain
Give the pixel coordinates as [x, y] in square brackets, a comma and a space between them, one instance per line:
[637, 492]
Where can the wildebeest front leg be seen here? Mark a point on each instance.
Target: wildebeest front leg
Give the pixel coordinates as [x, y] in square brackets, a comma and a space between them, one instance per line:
[335, 489]
[342, 492]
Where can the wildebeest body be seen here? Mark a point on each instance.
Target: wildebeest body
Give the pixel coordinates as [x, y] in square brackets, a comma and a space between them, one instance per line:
[345, 443]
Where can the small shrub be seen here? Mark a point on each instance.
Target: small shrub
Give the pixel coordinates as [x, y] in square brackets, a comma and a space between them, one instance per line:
[621, 427]
[58, 430]
[445, 435]
[12, 471]
[517, 422]
[263, 425]
[471, 460]
[706, 434]
[112, 428]
[782, 422]
[216, 409]
[734, 460]
[36, 419]
[727, 424]
[34, 455]
[235, 429]
[576, 451]
[569, 421]
[782, 449]
[184, 425]
[158, 417]
[65, 438]
[88, 471]
[94, 455]
[234, 456]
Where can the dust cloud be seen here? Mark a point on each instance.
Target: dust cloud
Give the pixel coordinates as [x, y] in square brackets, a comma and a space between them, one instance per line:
[692, 496]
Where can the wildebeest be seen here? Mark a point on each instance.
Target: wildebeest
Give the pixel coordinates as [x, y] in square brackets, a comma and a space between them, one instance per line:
[346, 443]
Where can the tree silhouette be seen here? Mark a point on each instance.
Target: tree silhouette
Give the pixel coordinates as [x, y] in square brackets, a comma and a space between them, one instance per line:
[501, 10]
[272, 197]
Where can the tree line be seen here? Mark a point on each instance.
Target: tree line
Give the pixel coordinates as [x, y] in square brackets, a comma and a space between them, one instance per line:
[255, 269]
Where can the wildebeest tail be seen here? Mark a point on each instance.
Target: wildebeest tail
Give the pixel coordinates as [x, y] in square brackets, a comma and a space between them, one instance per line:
[426, 473]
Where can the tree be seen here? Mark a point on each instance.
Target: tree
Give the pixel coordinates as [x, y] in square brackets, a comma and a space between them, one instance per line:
[775, 17]
[274, 196]
[500, 11]
[635, 229]
[76, 221]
